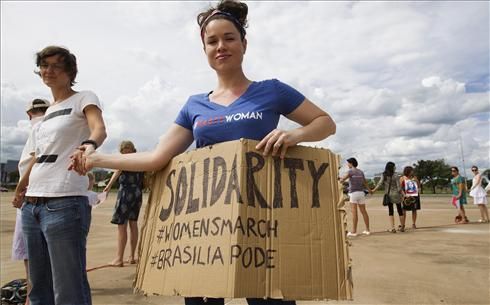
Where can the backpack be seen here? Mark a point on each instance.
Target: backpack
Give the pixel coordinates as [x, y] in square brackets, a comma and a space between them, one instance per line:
[14, 292]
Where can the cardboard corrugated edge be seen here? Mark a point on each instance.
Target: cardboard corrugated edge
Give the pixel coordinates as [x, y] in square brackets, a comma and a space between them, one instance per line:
[149, 213]
[341, 206]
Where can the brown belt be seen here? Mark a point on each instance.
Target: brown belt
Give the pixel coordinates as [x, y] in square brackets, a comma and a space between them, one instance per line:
[37, 200]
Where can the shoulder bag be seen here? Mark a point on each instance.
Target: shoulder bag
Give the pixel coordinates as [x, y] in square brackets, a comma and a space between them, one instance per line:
[386, 197]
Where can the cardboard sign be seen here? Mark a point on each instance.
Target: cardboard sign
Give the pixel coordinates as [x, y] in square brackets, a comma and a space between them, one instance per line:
[225, 221]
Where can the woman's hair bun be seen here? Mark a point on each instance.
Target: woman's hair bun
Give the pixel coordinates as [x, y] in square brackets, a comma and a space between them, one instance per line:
[238, 9]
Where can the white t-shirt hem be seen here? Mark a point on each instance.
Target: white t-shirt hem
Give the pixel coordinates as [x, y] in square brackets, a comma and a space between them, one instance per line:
[35, 194]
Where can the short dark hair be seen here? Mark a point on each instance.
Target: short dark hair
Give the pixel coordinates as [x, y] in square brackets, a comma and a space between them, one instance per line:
[455, 168]
[352, 161]
[69, 60]
[474, 167]
[41, 110]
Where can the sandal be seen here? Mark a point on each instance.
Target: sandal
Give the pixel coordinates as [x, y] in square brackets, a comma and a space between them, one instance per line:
[414, 226]
[401, 228]
[392, 230]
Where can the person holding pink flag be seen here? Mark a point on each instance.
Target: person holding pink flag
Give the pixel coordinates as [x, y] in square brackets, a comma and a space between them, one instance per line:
[458, 186]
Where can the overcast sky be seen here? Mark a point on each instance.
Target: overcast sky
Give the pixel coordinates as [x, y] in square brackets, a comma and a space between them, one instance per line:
[404, 81]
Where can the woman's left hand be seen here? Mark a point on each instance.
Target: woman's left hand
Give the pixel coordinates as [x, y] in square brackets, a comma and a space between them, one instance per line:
[79, 159]
[18, 198]
[278, 140]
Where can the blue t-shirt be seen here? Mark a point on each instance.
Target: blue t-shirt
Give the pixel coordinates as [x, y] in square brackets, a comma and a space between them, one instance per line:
[252, 116]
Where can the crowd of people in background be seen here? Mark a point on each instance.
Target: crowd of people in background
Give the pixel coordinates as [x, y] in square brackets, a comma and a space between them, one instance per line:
[403, 192]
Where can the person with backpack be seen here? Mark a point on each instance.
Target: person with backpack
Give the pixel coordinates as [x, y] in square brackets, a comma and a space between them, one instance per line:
[410, 186]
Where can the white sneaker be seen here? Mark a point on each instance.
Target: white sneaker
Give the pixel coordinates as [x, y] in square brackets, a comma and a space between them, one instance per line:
[366, 232]
[350, 234]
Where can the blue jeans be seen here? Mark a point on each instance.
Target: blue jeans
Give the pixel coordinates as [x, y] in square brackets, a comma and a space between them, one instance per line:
[56, 236]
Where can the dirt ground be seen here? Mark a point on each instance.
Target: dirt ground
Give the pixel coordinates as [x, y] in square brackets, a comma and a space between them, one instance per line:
[439, 263]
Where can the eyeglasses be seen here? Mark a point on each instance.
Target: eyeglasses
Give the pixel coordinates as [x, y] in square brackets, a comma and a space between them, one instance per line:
[55, 67]
[474, 170]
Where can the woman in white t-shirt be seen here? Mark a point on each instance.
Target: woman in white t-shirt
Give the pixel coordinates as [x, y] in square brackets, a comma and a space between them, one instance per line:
[55, 210]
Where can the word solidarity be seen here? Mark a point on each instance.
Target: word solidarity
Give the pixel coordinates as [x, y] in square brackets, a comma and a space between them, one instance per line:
[224, 179]
[247, 257]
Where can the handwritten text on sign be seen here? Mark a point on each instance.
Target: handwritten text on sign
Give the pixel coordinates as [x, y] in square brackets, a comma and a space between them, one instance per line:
[224, 180]
[184, 190]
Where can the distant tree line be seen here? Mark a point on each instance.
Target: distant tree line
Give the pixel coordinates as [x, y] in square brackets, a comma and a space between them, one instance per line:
[433, 174]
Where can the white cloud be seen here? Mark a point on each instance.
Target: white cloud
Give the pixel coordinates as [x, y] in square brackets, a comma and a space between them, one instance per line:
[394, 76]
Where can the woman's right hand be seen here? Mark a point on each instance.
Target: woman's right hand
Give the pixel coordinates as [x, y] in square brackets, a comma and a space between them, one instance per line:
[82, 160]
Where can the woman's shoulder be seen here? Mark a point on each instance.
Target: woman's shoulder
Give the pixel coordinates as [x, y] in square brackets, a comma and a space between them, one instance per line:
[357, 170]
[197, 98]
[86, 93]
[271, 82]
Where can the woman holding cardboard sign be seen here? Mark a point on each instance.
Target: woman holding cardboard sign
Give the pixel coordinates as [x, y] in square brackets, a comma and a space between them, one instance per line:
[236, 108]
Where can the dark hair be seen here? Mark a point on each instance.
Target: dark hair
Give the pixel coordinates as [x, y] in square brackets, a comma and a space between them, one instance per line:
[407, 170]
[236, 10]
[68, 59]
[455, 168]
[352, 161]
[389, 170]
[474, 167]
[38, 110]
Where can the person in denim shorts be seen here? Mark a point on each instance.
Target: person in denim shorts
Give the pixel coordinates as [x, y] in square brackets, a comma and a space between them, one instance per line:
[55, 210]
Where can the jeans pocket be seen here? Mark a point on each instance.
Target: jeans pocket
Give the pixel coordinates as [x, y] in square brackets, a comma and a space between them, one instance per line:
[67, 207]
[59, 204]
[62, 216]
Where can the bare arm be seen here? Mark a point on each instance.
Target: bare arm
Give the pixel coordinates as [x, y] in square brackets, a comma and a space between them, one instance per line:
[316, 125]
[377, 185]
[343, 178]
[95, 124]
[21, 188]
[477, 182]
[114, 177]
[97, 133]
[175, 141]
[460, 190]
[366, 185]
[402, 190]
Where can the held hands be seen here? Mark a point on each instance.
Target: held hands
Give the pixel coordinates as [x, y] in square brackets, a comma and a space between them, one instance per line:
[278, 141]
[81, 160]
